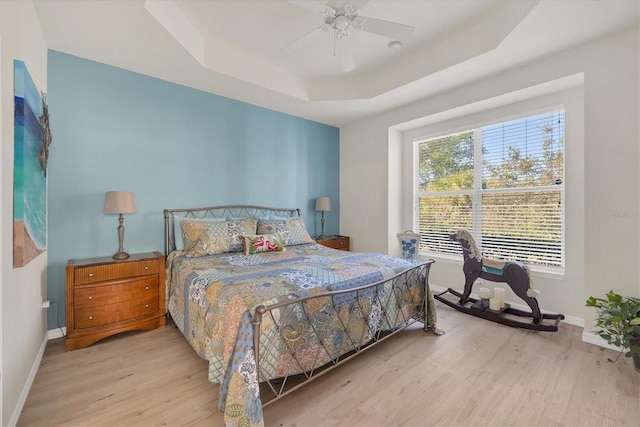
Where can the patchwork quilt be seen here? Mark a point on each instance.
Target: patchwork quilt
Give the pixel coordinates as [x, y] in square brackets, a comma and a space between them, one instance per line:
[212, 300]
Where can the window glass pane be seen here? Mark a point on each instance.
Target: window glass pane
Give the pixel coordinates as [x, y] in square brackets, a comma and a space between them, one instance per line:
[446, 163]
[524, 153]
[439, 217]
[525, 227]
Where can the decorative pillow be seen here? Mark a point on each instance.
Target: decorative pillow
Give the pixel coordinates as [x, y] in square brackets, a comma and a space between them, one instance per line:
[293, 231]
[177, 231]
[210, 238]
[254, 244]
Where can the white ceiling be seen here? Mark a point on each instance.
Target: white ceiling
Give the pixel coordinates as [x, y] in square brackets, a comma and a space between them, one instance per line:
[233, 47]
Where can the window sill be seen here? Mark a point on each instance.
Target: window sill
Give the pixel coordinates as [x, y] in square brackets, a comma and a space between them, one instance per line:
[555, 273]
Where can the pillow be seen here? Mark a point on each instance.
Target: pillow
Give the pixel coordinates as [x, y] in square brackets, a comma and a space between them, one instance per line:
[210, 238]
[293, 230]
[177, 230]
[254, 244]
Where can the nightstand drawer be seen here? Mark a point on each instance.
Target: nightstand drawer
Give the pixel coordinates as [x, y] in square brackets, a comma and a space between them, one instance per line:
[111, 313]
[99, 273]
[335, 242]
[91, 296]
[340, 244]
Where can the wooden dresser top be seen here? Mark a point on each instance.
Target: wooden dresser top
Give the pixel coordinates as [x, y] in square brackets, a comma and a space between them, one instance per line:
[110, 260]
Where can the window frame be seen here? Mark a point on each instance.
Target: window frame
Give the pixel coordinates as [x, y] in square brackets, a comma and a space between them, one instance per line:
[476, 192]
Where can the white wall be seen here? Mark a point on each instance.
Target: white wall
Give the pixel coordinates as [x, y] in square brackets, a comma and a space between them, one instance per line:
[23, 289]
[604, 201]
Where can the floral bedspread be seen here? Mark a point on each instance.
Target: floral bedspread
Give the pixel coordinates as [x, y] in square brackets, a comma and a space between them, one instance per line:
[212, 300]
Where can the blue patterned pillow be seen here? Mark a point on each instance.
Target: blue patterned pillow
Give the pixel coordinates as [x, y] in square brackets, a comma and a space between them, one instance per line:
[293, 231]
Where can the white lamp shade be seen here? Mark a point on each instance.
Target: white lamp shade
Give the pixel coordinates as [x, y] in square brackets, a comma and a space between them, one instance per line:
[323, 204]
[119, 202]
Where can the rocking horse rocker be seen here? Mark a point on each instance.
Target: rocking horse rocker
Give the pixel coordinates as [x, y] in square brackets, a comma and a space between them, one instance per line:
[516, 275]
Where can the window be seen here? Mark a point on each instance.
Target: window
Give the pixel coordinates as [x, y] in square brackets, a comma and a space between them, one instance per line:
[503, 182]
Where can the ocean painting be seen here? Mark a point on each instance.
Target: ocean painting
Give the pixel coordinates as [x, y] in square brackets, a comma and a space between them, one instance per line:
[29, 176]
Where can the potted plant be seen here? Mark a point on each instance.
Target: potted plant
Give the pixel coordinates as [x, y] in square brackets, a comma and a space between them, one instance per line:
[619, 323]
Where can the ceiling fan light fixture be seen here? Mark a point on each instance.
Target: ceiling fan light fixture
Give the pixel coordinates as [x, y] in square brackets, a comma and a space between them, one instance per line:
[329, 14]
[341, 22]
[358, 23]
[397, 45]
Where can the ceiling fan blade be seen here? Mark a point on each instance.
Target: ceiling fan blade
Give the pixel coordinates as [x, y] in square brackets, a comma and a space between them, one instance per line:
[391, 30]
[315, 6]
[299, 42]
[345, 50]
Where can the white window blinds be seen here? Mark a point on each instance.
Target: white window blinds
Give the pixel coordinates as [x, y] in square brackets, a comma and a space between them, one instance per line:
[503, 182]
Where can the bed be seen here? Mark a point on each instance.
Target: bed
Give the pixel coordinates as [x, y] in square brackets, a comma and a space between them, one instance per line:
[270, 309]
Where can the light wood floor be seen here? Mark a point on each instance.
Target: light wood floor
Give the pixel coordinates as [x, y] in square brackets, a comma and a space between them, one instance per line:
[478, 374]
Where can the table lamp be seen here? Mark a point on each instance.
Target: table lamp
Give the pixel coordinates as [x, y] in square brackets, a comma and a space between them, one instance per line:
[120, 202]
[323, 204]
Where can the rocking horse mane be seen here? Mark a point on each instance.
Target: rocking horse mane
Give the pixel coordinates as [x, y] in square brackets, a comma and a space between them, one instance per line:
[464, 234]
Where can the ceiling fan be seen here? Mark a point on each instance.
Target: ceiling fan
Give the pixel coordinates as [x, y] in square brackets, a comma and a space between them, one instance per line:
[342, 16]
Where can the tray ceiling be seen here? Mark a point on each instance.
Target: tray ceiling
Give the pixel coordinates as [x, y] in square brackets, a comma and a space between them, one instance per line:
[234, 47]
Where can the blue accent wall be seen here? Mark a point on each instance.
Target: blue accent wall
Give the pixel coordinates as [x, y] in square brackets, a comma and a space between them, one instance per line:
[174, 147]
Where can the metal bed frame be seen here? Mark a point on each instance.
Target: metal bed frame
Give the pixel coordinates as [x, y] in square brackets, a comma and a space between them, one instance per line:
[387, 295]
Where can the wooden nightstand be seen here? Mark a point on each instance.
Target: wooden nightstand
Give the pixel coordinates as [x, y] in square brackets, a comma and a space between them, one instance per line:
[106, 297]
[335, 242]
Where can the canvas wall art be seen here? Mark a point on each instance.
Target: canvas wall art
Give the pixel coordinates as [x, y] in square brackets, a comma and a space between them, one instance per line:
[29, 176]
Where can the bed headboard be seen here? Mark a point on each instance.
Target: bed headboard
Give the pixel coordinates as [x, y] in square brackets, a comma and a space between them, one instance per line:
[228, 211]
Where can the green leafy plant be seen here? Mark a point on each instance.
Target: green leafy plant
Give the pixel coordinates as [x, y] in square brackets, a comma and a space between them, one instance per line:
[619, 322]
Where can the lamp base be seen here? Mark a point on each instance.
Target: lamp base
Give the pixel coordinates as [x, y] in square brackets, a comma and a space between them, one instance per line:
[120, 255]
[322, 236]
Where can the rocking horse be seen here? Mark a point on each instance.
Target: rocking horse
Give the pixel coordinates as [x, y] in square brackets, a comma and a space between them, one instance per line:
[516, 275]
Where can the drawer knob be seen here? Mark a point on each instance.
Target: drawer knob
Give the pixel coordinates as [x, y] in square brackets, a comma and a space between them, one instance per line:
[146, 288]
[90, 274]
[146, 306]
[90, 317]
[90, 298]
[146, 267]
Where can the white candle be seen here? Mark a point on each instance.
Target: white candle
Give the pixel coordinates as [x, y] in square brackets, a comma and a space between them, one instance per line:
[494, 304]
[485, 293]
[498, 293]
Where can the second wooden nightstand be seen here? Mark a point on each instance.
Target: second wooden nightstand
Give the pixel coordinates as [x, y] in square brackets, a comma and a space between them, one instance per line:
[335, 242]
[106, 297]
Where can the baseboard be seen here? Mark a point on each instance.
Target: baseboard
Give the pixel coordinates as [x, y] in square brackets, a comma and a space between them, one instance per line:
[56, 333]
[436, 288]
[27, 386]
[593, 338]
[570, 320]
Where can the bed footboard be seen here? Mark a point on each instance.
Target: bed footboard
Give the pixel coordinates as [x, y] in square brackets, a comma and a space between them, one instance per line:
[301, 338]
